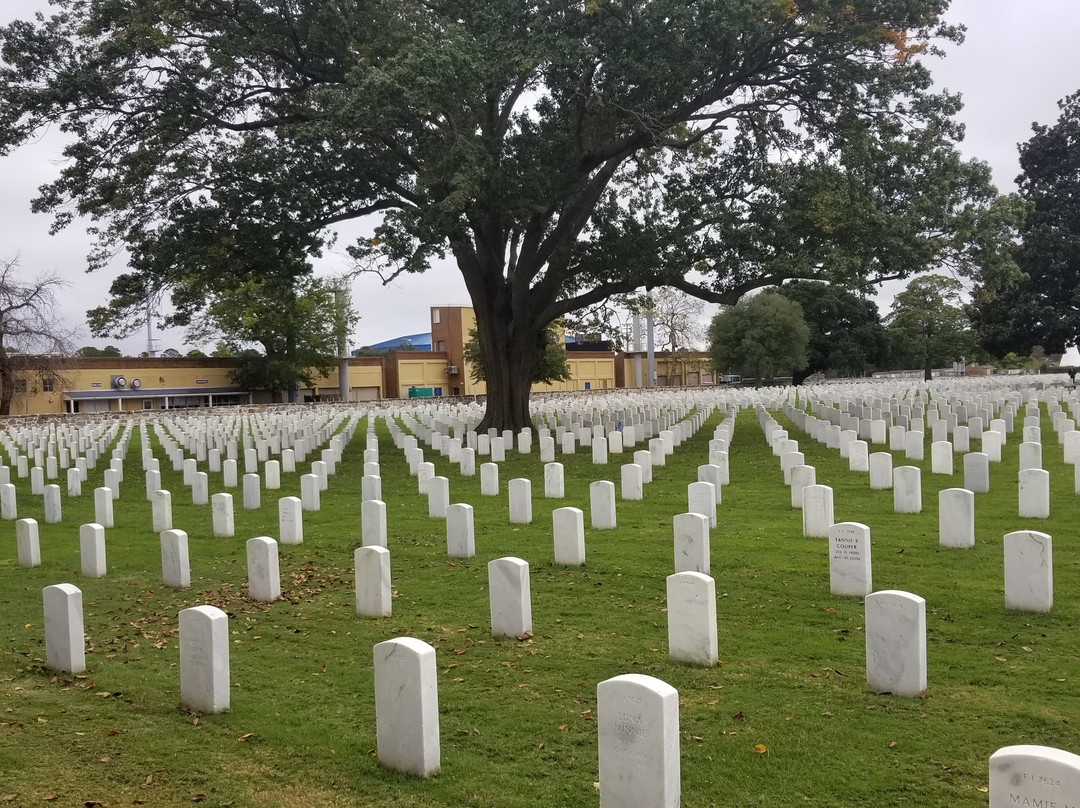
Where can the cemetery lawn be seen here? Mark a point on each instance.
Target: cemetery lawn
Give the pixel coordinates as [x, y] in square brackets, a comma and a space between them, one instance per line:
[785, 720]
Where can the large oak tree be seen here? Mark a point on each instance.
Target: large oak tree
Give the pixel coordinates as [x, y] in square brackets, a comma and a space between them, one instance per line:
[559, 152]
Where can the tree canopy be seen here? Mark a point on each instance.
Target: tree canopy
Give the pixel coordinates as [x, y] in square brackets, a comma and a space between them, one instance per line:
[91, 351]
[847, 336]
[559, 152]
[929, 325]
[1040, 303]
[299, 324]
[764, 333]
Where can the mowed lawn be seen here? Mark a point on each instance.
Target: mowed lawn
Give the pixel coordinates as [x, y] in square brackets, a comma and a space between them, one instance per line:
[785, 720]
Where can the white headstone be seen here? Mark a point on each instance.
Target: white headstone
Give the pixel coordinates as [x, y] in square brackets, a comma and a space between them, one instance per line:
[691, 605]
[638, 744]
[161, 511]
[849, 559]
[229, 474]
[568, 528]
[858, 456]
[554, 486]
[373, 523]
[977, 472]
[817, 511]
[204, 659]
[1034, 776]
[290, 520]
[467, 462]
[103, 507]
[630, 481]
[643, 458]
[74, 482]
[221, 511]
[460, 531]
[92, 550]
[801, 476]
[1034, 489]
[508, 593]
[602, 505]
[407, 706]
[896, 643]
[691, 531]
[489, 479]
[200, 488]
[907, 489]
[373, 591]
[520, 495]
[309, 492]
[1029, 571]
[252, 492]
[956, 518]
[941, 457]
[175, 567]
[28, 543]
[264, 576]
[438, 497]
[1031, 454]
[701, 498]
[65, 646]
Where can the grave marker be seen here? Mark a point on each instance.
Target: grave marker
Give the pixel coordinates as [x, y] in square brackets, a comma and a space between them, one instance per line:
[895, 631]
[407, 706]
[849, 559]
[372, 577]
[509, 597]
[691, 605]
[638, 744]
[65, 646]
[204, 659]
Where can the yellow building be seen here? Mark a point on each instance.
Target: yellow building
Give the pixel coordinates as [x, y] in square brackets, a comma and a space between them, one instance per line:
[450, 329]
[131, 384]
[683, 369]
[128, 384]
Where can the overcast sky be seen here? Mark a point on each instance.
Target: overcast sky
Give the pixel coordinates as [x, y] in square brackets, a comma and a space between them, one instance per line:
[1019, 59]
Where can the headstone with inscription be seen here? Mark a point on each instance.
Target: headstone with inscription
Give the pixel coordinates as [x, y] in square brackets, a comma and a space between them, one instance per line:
[638, 744]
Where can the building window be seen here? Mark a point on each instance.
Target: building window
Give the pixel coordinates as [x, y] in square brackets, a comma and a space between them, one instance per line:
[148, 403]
[20, 386]
[47, 385]
[435, 317]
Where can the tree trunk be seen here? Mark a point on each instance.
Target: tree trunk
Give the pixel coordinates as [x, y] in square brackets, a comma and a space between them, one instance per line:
[928, 370]
[800, 376]
[511, 352]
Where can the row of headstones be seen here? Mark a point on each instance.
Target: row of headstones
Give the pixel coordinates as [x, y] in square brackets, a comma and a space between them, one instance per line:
[336, 432]
[36, 445]
[633, 476]
[1033, 481]
[962, 427]
[638, 743]
[265, 434]
[1028, 554]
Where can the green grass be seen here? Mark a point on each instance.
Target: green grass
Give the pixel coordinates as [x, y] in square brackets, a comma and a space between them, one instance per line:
[518, 717]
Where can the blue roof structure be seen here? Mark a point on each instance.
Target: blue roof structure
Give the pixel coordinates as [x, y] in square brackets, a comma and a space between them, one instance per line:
[420, 342]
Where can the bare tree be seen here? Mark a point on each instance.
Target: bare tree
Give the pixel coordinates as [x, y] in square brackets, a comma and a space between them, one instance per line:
[34, 343]
[676, 317]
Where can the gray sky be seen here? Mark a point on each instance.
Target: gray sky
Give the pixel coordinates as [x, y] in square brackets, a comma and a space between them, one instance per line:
[1019, 59]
